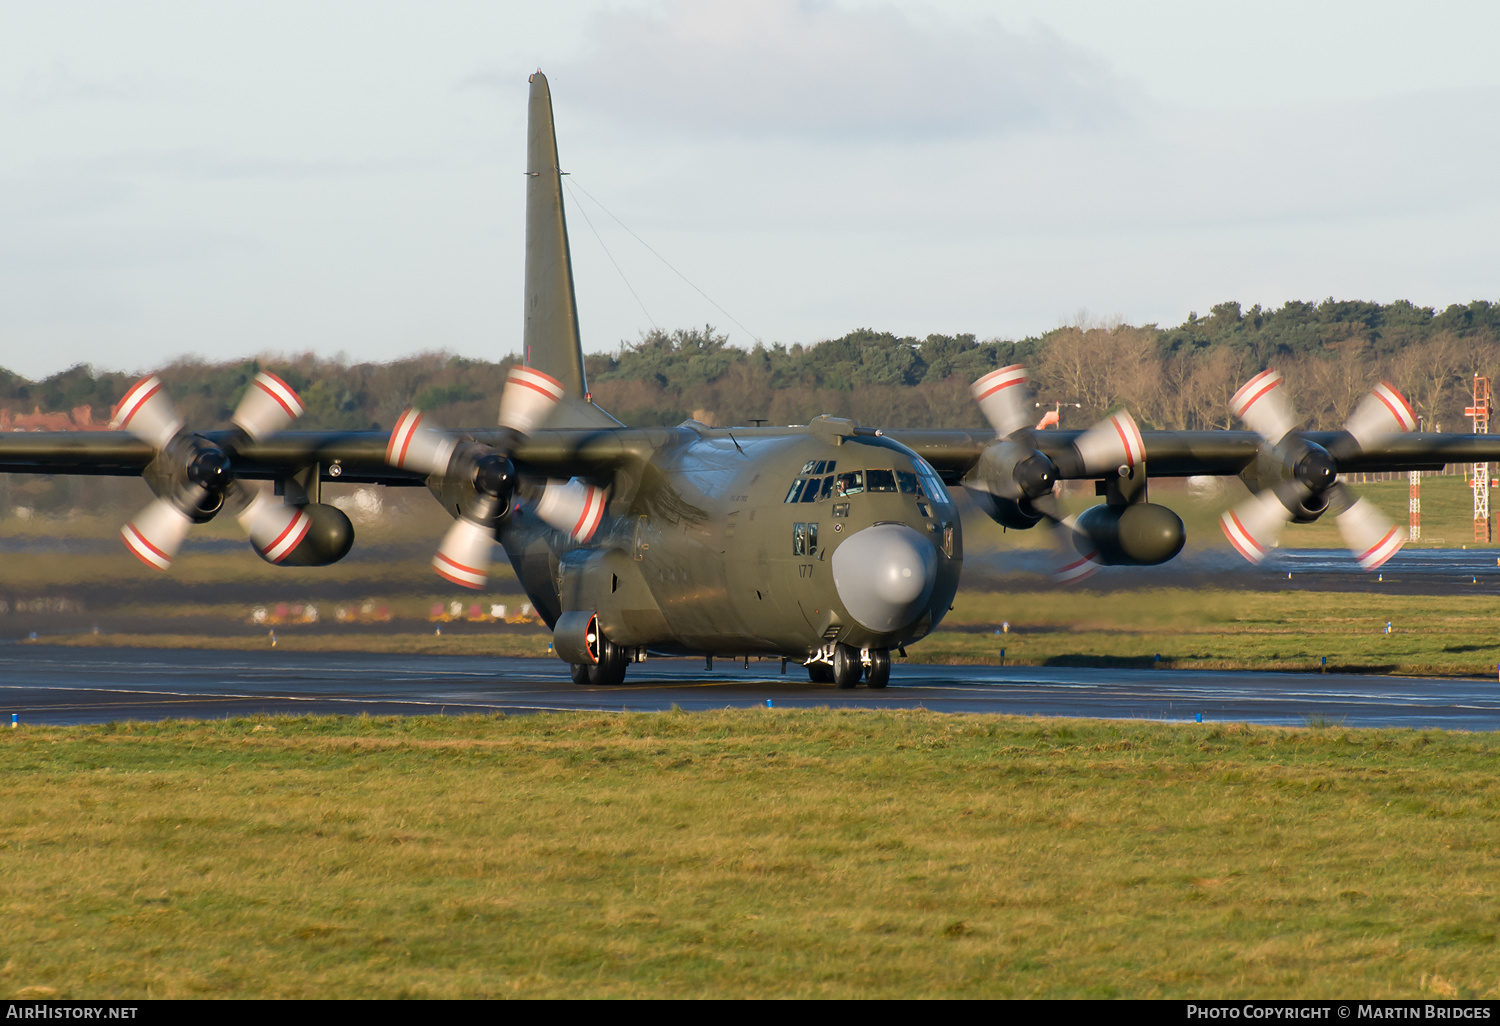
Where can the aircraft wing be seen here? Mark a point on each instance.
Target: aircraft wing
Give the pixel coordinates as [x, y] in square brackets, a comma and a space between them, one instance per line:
[351, 456]
[1224, 453]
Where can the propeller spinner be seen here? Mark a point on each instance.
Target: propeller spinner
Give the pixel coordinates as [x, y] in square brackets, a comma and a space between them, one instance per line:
[1309, 482]
[200, 474]
[463, 556]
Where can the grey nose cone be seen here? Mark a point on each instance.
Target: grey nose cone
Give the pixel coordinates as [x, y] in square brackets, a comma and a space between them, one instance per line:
[884, 575]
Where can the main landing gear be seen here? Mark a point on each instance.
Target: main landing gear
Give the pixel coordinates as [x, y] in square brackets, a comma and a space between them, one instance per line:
[849, 664]
[609, 671]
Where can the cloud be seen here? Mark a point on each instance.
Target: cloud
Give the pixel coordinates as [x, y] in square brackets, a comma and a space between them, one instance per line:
[783, 68]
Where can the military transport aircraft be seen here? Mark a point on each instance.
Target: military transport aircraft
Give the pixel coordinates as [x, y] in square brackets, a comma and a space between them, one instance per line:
[828, 543]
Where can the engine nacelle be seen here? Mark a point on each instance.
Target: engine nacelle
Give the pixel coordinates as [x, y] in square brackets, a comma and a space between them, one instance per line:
[1012, 514]
[1141, 534]
[328, 539]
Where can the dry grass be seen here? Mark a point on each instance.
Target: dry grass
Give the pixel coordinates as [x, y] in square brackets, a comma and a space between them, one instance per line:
[756, 852]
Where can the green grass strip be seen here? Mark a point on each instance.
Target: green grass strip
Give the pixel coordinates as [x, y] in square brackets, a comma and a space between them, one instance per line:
[756, 852]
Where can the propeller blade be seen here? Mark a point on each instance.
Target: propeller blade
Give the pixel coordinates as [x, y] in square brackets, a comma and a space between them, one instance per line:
[464, 555]
[528, 398]
[1253, 526]
[275, 528]
[572, 507]
[1113, 442]
[1076, 557]
[1370, 536]
[269, 405]
[147, 412]
[1263, 406]
[156, 533]
[418, 444]
[1382, 413]
[1004, 397]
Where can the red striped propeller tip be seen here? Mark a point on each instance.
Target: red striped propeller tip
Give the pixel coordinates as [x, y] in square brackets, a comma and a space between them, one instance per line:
[465, 576]
[996, 380]
[1253, 390]
[290, 537]
[1397, 404]
[131, 402]
[141, 547]
[1243, 541]
[545, 384]
[286, 396]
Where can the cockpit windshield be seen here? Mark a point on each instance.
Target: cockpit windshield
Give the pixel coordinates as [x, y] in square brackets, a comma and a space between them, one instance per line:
[818, 482]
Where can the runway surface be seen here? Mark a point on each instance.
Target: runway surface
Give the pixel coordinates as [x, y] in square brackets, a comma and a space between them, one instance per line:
[64, 686]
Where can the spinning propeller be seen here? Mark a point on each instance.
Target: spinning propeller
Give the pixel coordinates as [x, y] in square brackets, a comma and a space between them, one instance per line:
[1016, 471]
[573, 507]
[1307, 474]
[193, 477]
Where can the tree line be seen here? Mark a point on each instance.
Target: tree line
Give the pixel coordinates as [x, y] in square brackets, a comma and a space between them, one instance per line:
[1173, 378]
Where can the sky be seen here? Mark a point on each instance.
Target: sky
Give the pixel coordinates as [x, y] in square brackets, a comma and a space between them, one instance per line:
[233, 179]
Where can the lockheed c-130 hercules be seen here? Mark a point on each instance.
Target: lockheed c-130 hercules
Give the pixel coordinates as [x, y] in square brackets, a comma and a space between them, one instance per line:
[828, 543]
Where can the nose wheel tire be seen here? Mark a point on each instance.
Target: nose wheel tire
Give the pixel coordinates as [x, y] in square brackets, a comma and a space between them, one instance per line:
[879, 672]
[847, 667]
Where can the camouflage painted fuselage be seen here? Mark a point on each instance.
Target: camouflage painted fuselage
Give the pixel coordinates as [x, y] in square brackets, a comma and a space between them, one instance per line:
[725, 541]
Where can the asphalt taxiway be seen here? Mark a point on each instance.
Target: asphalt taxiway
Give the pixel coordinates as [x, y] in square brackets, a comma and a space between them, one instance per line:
[62, 685]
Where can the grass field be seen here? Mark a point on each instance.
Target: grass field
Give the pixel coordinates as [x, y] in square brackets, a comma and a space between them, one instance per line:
[759, 852]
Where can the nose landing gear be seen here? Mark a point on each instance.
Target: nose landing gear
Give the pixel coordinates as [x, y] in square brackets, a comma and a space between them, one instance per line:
[847, 666]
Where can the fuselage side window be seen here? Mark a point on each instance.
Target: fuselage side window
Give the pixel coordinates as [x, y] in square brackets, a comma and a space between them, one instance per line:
[880, 480]
[906, 482]
[812, 539]
[851, 483]
[799, 539]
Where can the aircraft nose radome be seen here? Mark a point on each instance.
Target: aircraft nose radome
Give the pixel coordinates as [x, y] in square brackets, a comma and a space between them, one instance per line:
[884, 575]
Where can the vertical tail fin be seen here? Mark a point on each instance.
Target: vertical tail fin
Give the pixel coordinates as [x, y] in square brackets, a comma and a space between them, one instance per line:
[551, 339]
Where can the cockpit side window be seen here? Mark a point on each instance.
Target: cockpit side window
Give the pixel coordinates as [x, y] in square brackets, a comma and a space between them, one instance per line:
[827, 487]
[906, 482]
[850, 484]
[880, 480]
[932, 484]
[796, 492]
